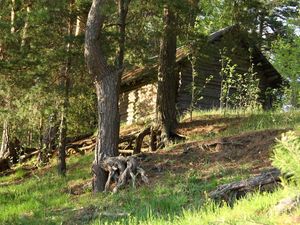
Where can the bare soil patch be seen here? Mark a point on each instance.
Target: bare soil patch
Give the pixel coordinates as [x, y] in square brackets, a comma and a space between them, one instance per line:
[210, 124]
[79, 188]
[251, 148]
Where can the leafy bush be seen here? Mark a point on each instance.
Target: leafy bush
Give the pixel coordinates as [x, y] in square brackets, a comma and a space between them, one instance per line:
[287, 155]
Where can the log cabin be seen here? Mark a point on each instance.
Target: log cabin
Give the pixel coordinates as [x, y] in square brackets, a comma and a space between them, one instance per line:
[139, 86]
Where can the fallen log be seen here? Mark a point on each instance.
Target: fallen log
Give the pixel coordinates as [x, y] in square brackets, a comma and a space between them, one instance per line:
[89, 147]
[128, 137]
[25, 151]
[89, 141]
[28, 156]
[80, 143]
[125, 152]
[79, 137]
[267, 181]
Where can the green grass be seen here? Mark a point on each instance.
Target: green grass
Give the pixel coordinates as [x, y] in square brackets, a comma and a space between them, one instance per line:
[45, 199]
[176, 198]
[270, 120]
[249, 121]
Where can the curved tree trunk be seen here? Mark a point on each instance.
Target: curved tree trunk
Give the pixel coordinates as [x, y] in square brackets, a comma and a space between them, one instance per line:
[107, 89]
[167, 77]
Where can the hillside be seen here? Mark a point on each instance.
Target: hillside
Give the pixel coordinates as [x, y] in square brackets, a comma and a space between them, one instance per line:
[219, 149]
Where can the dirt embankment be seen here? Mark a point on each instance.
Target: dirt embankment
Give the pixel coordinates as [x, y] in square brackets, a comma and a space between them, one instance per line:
[248, 148]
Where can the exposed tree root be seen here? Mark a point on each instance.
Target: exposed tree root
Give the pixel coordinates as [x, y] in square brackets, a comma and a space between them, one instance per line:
[120, 170]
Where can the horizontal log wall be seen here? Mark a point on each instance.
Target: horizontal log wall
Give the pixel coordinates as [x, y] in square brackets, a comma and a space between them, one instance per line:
[138, 105]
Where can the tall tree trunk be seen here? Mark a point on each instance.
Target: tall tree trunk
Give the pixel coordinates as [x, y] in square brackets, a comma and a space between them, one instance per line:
[4, 151]
[261, 29]
[167, 77]
[63, 129]
[122, 11]
[78, 26]
[49, 137]
[41, 143]
[25, 29]
[107, 89]
[12, 16]
[294, 93]
[62, 166]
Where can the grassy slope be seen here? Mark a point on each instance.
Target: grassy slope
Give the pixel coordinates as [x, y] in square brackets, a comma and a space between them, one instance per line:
[45, 198]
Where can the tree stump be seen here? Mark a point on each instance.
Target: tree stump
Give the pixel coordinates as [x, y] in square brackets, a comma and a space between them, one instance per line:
[120, 170]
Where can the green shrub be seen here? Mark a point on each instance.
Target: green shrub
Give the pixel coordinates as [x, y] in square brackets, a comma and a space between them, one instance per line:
[287, 155]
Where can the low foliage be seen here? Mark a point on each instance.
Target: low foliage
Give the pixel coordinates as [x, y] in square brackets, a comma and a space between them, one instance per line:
[287, 155]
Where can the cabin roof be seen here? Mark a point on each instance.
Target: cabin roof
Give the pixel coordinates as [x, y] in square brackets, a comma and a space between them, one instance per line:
[140, 76]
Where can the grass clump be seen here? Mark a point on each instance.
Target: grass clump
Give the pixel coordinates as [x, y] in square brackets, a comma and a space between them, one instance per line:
[287, 155]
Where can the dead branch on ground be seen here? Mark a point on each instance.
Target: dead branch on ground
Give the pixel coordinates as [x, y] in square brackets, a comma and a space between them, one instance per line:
[266, 181]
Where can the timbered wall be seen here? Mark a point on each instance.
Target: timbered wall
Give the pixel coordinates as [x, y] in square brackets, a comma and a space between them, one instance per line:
[138, 104]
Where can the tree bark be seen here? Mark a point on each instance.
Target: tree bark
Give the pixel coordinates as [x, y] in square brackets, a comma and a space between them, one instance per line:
[4, 151]
[231, 192]
[12, 16]
[78, 26]
[4, 164]
[122, 11]
[107, 90]
[24, 41]
[167, 77]
[62, 166]
[261, 29]
[49, 137]
[40, 154]
[139, 140]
